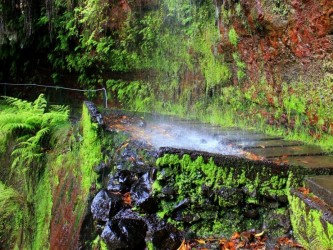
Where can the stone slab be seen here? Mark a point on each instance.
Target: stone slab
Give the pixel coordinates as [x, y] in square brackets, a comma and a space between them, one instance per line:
[267, 144]
[287, 151]
[322, 186]
[314, 162]
[244, 137]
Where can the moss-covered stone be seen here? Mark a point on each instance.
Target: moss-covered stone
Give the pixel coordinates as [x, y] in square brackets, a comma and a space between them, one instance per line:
[225, 197]
[312, 221]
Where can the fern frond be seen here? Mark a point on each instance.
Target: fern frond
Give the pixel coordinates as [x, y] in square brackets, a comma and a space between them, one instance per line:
[59, 108]
[18, 103]
[60, 133]
[39, 136]
[40, 104]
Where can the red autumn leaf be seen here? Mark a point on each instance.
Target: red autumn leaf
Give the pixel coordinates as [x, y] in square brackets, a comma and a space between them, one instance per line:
[235, 236]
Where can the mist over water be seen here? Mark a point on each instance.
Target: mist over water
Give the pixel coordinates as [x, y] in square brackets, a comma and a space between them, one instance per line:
[171, 134]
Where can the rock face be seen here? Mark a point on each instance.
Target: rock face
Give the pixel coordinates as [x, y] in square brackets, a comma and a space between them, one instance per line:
[281, 40]
[127, 230]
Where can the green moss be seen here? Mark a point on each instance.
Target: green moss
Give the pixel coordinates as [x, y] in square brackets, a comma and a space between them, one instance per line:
[309, 226]
[43, 201]
[13, 218]
[90, 150]
[233, 37]
[229, 189]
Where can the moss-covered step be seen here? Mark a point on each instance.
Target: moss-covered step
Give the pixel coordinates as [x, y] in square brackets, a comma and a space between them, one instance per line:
[212, 194]
[312, 220]
[322, 186]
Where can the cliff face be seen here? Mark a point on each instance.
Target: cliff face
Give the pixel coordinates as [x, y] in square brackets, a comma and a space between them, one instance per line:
[282, 40]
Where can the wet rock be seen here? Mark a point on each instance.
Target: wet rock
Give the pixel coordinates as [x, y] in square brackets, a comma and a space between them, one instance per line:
[105, 205]
[126, 230]
[126, 178]
[100, 206]
[251, 193]
[169, 190]
[114, 185]
[141, 193]
[122, 181]
[102, 168]
[228, 197]
[141, 123]
[251, 212]
[208, 193]
[185, 215]
[183, 203]
[277, 221]
[167, 237]
[94, 113]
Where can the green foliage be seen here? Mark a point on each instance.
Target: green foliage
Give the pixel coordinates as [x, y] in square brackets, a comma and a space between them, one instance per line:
[233, 37]
[12, 217]
[32, 123]
[30, 127]
[43, 212]
[90, 150]
[241, 66]
[309, 226]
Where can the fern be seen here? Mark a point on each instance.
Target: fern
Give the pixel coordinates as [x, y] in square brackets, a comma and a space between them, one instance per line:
[32, 124]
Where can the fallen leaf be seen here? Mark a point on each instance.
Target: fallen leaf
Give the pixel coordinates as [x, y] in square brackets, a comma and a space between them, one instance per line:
[229, 246]
[183, 246]
[259, 234]
[240, 245]
[127, 198]
[235, 236]
[201, 241]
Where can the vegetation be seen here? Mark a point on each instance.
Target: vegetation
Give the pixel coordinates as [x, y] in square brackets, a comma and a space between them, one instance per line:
[177, 45]
[43, 163]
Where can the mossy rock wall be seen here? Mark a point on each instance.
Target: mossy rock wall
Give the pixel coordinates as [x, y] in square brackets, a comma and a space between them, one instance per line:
[217, 195]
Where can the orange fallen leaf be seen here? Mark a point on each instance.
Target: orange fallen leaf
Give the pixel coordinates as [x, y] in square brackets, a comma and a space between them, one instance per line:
[229, 246]
[201, 241]
[183, 246]
[235, 236]
[127, 198]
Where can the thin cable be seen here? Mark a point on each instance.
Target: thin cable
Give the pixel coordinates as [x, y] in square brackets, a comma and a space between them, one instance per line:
[60, 87]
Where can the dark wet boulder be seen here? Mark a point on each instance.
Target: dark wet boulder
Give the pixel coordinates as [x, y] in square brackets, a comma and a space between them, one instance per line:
[126, 230]
[105, 205]
[167, 237]
[122, 181]
[126, 178]
[100, 206]
[141, 193]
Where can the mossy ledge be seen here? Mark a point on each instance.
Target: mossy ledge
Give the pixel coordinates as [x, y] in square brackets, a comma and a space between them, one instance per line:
[216, 195]
[312, 220]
